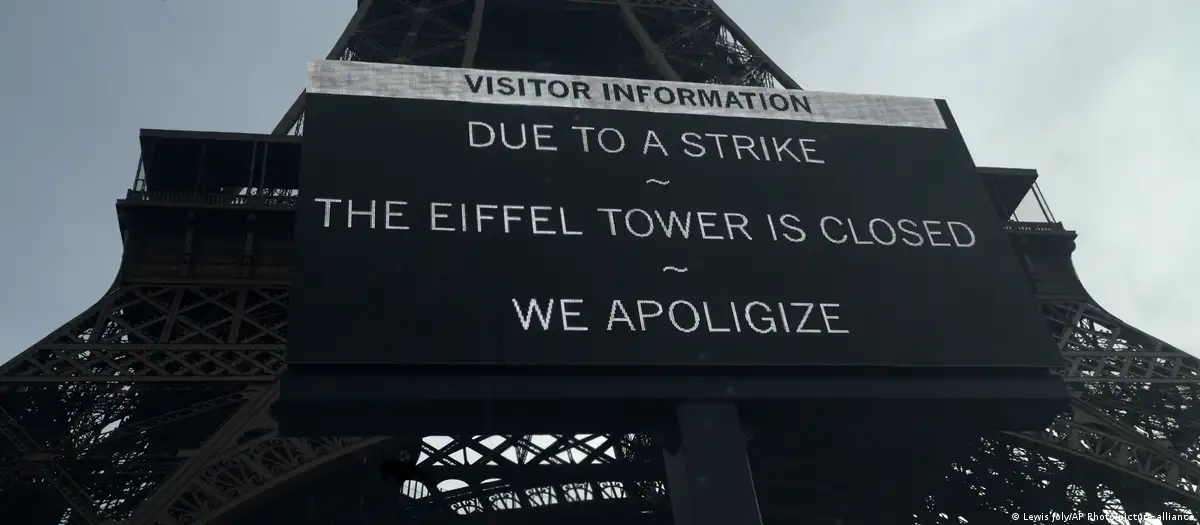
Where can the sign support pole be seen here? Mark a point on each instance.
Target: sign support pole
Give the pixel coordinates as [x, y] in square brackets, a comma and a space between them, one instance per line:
[708, 476]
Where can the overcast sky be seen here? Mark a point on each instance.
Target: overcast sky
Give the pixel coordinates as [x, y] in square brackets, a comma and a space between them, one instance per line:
[1095, 94]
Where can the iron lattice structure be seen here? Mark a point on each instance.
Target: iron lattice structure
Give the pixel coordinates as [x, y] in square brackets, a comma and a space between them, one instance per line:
[152, 407]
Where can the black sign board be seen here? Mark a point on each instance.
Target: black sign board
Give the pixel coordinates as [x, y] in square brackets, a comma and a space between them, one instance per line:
[467, 217]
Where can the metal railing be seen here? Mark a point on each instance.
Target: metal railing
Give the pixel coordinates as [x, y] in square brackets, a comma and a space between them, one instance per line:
[212, 199]
[289, 201]
[1034, 227]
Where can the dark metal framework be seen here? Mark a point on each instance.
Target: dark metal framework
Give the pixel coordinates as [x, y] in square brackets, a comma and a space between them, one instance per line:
[685, 40]
[153, 405]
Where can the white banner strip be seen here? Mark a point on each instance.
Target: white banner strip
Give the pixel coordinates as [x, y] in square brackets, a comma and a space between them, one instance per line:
[370, 79]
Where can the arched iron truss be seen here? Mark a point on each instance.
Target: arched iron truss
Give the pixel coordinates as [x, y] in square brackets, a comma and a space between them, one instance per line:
[109, 366]
[152, 407]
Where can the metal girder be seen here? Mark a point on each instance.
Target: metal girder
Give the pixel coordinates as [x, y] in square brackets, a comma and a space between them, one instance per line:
[1099, 347]
[222, 482]
[473, 31]
[474, 459]
[293, 119]
[146, 332]
[50, 468]
[408, 32]
[197, 333]
[654, 54]
[248, 416]
[472, 475]
[1091, 434]
[1009, 475]
[493, 473]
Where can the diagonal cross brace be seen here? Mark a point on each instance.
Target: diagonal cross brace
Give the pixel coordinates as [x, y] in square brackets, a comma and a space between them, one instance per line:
[55, 474]
[258, 400]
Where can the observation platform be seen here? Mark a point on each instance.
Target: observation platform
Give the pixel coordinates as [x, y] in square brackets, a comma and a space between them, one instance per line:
[244, 170]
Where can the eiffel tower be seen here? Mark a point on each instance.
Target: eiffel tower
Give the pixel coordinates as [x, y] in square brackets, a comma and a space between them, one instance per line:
[152, 407]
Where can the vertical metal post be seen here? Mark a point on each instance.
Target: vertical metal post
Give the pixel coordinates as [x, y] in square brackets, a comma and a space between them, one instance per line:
[200, 168]
[262, 176]
[654, 54]
[146, 163]
[473, 35]
[258, 401]
[744, 39]
[139, 178]
[253, 166]
[709, 477]
[1045, 206]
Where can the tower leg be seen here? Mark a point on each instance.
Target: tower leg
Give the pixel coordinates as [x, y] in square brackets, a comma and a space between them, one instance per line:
[708, 476]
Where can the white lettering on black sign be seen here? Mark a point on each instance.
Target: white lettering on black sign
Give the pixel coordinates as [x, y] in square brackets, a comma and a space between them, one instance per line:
[646, 315]
[543, 137]
[443, 216]
[500, 220]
